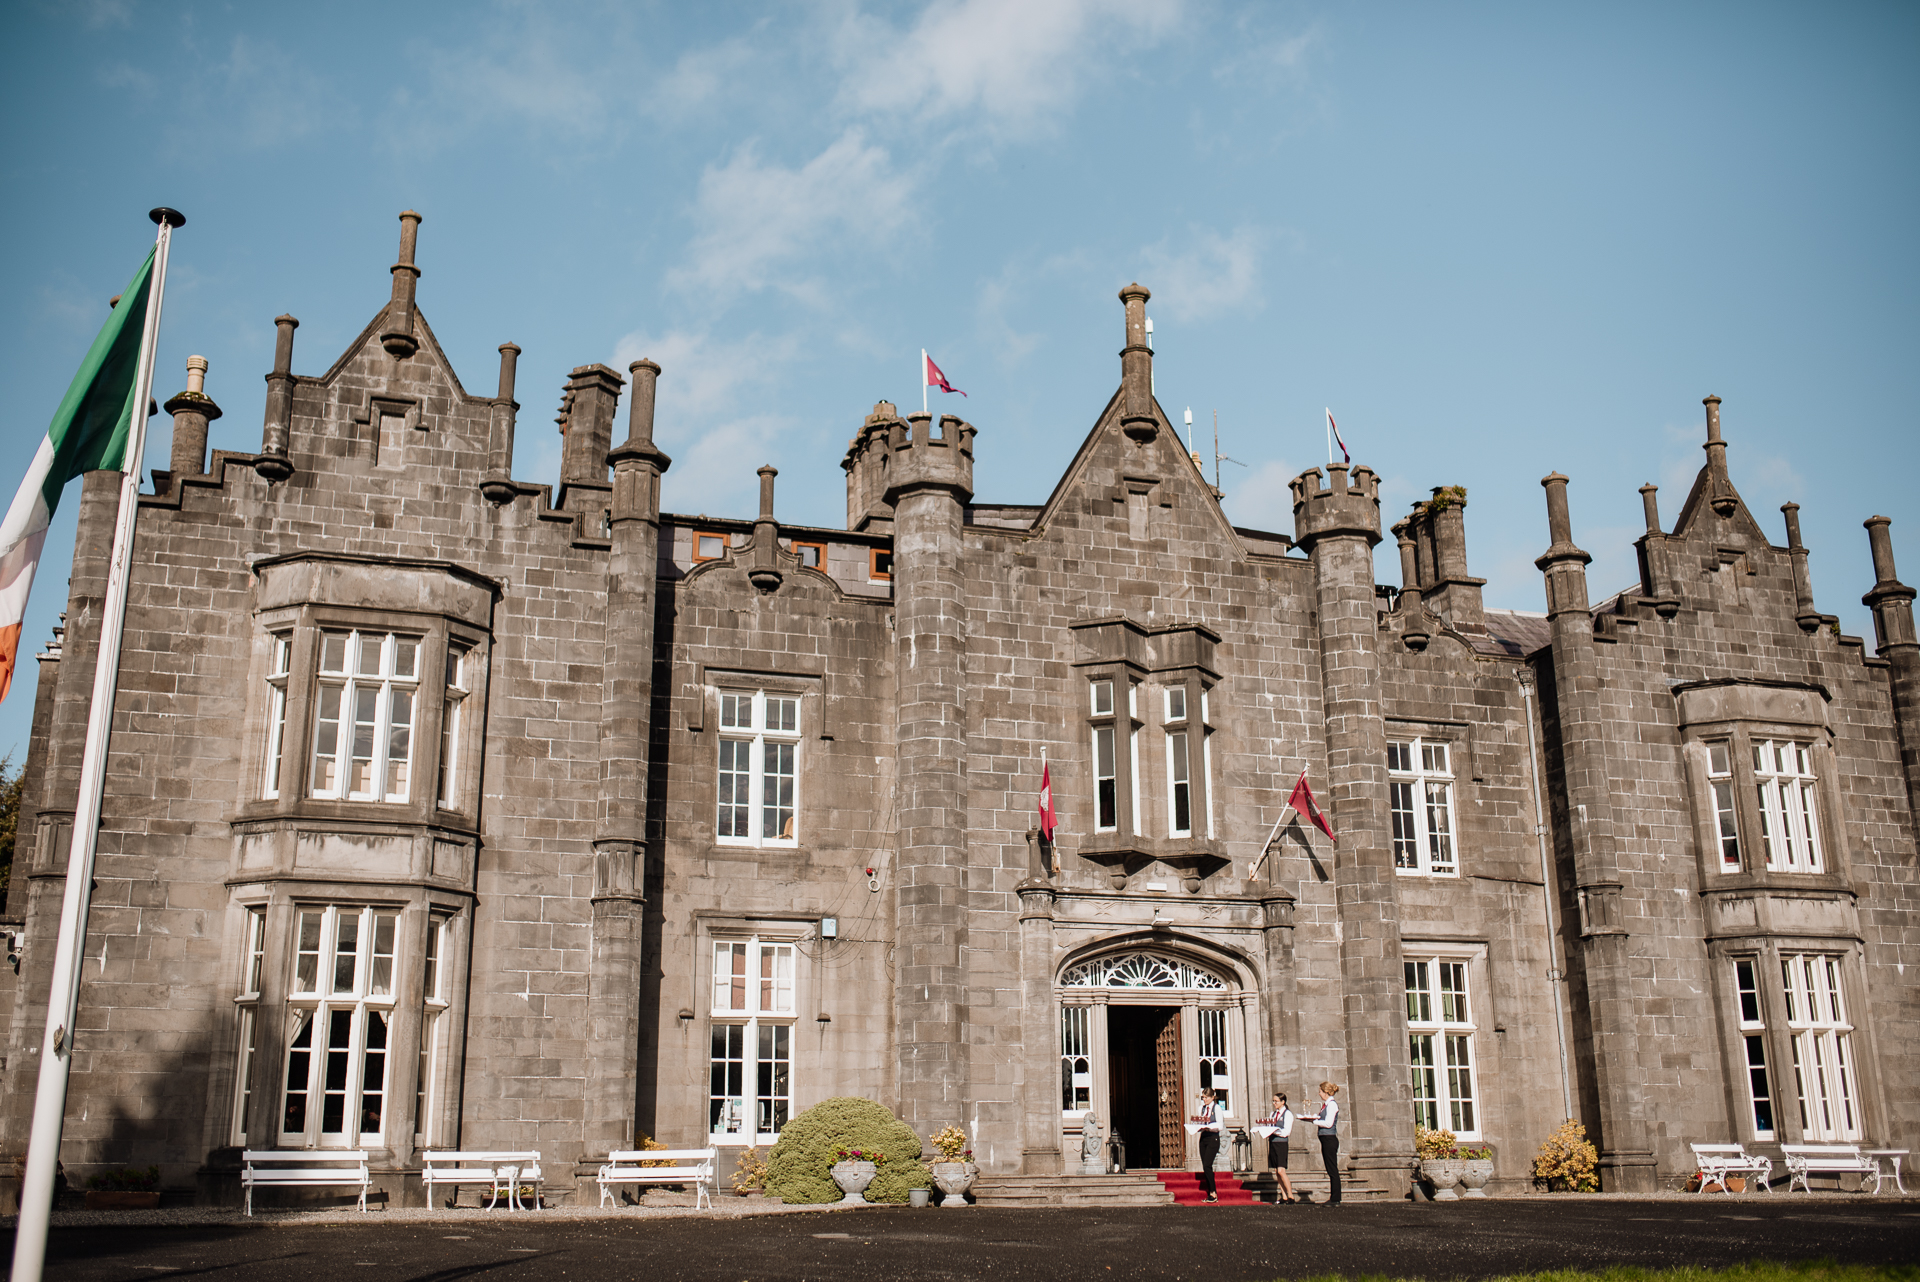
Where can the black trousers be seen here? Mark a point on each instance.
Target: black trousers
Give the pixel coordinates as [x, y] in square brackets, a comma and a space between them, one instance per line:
[1209, 1149]
[1330, 1154]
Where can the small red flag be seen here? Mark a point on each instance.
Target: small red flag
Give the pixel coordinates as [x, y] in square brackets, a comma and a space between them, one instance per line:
[1046, 803]
[935, 378]
[1302, 801]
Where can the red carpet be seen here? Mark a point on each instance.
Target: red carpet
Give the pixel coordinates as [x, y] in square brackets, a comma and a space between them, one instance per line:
[1186, 1190]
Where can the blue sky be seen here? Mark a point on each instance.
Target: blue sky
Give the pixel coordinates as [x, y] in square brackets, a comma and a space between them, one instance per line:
[1498, 240]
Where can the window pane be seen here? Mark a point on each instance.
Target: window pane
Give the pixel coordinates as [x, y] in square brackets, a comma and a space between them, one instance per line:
[405, 650]
[431, 985]
[1453, 992]
[299, 1068]
[306, 968]
[1399, 757]
[366, 705]
[333, 1090]
[1460, 1081]
[776, 810]
[399, 745]
[1102, 698]
[734, 783]
[333, 652]
[726, 1103]
[370, 648]
[373, 1073]
[1419, 994]
[772, 1091]
[1717, 759]
[1440, 826]
[1406, 840]
[1182, 791]
[346, 952]
[1426, 1111]
[326, 742]
[1106, 793]
[783, 714]
[1757, 1085]
[1177, 704]
[380, 984]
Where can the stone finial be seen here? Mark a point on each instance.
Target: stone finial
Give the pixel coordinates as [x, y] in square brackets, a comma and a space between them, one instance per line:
[1890, 600]
[1807, 615]
[1720, 495]
[1136, 370]
[1412, 609]
[497, 487]
[765, 573]
[398, 338]
[644, 375]
[1650, 505]
[192, 410]
[1655, 580]
[1564, 564]
[766, 474]
[273, 463]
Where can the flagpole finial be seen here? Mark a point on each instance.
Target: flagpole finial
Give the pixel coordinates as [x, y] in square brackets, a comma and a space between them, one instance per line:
[170, 217]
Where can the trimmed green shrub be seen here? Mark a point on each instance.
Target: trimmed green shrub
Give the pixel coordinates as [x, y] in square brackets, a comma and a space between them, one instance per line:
[799, 1170]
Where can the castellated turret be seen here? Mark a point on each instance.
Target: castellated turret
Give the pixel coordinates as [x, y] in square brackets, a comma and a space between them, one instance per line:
[1342, 506]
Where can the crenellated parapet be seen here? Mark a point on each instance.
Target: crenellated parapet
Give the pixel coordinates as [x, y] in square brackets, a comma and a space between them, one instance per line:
[1346, 504]
[929, 454]
[867, 462]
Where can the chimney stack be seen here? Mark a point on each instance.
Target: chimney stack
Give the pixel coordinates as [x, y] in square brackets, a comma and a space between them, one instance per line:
[1136, 369]
[497, 488]
[273, 463]
[192, 410]
[399, 339]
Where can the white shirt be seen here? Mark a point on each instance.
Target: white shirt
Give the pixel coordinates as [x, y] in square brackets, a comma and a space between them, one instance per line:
[1329, 1118]
[1211, 1116]
[1285, 1127]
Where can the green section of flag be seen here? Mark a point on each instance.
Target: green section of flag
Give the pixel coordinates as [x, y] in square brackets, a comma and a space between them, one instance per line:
[90, 429]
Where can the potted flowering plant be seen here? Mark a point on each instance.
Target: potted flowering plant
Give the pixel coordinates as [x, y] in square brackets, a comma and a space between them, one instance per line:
[127, 1189]
[1440, 1163]
[954, 1171]
[854, 1169]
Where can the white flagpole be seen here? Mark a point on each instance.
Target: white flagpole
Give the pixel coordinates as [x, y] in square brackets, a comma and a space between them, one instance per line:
[923, 382]
[1329, 438]
[56, 1042]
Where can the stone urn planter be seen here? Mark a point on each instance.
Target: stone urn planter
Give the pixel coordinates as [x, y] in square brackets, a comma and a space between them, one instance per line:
[1474, 1174]
[853, 1178]
[1443, 1173]
[122, 1199]
[954, 1179]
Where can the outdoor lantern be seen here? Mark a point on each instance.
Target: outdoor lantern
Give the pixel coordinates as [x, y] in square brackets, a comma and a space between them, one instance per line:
[1242, 1151]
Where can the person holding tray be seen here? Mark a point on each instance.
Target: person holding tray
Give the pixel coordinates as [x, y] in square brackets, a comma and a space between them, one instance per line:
[1281, 1120]
[1329, 1124]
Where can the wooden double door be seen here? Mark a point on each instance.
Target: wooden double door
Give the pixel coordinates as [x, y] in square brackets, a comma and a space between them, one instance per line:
[1147, 1085]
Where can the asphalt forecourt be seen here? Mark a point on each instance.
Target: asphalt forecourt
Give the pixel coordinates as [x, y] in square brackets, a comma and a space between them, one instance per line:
[1875, 1240]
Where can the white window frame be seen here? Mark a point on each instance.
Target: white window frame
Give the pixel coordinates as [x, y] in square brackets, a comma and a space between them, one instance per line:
[1076, 1060]
[1786, 787]
[1752, 1019]
[1824, 1068]
[459, 670]
[345, 685]
[252, 962]
[317, 997]
[1426, 829]
[1103, 709]
[1721, 790]
[433, 1026]
[765, 1007]
[1446, 1030]
[1213, 1053]
[748, 744]
[280, 668]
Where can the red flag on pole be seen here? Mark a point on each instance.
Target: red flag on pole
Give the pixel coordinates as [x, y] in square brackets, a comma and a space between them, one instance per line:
[1302, 801]
[935, 378]
[1046, 803]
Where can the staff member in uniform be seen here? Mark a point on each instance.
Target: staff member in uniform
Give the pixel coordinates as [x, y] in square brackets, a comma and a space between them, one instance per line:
[1329, 1124]
[1209, 1119]
[1281, 1119]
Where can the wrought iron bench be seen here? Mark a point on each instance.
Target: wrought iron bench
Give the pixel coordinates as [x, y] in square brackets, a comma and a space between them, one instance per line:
[264, 1169]
[674, 1166]
[1804, 1160]
[1718, 1161]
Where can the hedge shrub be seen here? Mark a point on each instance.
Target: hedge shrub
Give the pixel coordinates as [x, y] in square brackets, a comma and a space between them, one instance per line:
[799, 1170]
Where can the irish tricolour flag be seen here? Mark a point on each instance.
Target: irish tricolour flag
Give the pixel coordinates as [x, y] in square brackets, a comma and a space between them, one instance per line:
[89, 433]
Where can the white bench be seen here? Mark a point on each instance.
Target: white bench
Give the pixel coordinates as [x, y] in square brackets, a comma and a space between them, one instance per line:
[680, 1166]
[1718, 1161]
[1804, 1160]
[264, 1170]
[506, 1170]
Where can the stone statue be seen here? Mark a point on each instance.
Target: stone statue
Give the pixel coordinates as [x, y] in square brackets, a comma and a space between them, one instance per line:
[1091, 1162]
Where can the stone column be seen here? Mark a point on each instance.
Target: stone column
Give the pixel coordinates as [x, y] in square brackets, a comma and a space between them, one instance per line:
[1412, 610]
[1656, 575]
[192, 410]
[1279, 1004]
[1039, 1031]
[497, 488]
[620, 847]
[1892, 604]
[1338, 527]
[1605, 949]
[931, 480]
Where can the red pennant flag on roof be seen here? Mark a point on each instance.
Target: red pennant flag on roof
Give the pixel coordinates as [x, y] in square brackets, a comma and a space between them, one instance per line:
[934, 378]
[1302, 801]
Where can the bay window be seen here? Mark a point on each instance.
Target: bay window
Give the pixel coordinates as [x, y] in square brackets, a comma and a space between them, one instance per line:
[363, 716]
[1821, 1042]
[1785, 803]
[339, 1027]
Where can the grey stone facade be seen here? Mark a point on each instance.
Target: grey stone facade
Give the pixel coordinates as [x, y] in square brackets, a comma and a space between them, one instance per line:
[549, 820]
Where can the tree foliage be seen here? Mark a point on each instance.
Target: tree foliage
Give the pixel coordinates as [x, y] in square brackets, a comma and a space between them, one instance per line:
[13, 782]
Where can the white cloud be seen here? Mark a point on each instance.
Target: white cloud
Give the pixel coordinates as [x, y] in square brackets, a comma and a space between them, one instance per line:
[1204, 273]
[1258, 498]
[762, 222]
[1010, 61]
[717, 472]
[701, 377]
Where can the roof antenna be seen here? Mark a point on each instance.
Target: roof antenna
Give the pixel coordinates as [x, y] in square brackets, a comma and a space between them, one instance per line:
[1218, 457]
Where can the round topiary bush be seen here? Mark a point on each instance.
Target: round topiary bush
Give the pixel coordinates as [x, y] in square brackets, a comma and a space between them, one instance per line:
[799, 1170]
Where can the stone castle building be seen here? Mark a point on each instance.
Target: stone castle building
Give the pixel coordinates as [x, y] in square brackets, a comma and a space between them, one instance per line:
[447, 809]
